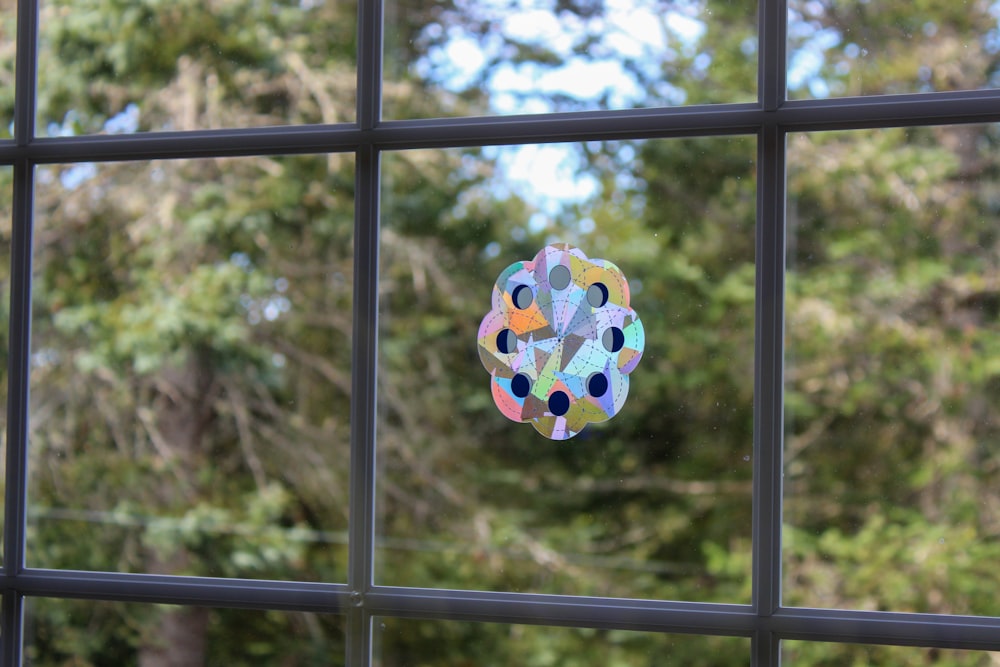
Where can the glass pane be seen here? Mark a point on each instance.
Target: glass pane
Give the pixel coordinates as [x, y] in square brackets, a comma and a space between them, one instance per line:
[892, 477]
[860, 47]
[145, 65]
[89, 632]
[463, 57]
[191, 367]
[6, 216]
[653, 503]
[401, 642]
[796, 653]
[8, 51]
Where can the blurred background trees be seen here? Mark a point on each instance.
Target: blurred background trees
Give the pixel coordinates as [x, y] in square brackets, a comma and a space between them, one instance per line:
[192, 328]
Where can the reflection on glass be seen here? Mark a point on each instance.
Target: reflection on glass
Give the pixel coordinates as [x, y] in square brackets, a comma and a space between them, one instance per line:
[8, 51]
[653, 503]
[190, 64]
[399, 642]
[455, 57]
[893, 378]
[818, 654]
[64, 632]
[191, 367]
[858, 47]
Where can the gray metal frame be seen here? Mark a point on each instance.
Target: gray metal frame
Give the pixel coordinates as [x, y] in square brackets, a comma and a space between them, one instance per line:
[765, 620]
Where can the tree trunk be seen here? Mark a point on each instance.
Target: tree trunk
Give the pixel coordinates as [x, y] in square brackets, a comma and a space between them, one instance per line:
[184, 411]
[180, 641]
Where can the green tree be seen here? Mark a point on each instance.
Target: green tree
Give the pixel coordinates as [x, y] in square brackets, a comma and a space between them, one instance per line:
[192, 330]
[193, 317]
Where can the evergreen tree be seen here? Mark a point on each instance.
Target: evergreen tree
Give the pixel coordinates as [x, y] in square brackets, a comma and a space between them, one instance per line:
[192, 352]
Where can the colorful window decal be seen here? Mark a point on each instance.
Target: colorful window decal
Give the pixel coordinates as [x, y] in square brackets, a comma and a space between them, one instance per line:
[560, 341]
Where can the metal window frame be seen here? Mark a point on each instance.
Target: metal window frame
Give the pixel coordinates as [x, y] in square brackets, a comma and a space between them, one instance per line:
[765, 621]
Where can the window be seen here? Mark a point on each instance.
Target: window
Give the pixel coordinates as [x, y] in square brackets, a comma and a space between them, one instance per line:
[803, 333]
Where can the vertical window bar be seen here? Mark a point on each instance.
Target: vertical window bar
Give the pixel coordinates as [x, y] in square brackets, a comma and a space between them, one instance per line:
[769, 324]
[772, 40]
[766, 648]
[362, 484]
[15, 501]
[768, 396]
[370, 31]
[25, 81]
[365, 359]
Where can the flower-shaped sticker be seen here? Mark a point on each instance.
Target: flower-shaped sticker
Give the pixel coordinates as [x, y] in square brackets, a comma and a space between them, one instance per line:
[560, 341]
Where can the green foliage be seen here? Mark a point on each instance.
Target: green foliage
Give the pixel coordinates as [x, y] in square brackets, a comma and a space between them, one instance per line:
[821, 654]
[193, 64]
[76, 633]
[192, 338]
[887, 48]
[417, 644]
[889, 474]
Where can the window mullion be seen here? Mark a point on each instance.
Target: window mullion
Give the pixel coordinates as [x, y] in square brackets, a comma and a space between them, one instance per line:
[362, 484]
[364, 371]
[25, 82]
[769, 323]
[370, 30]
[766, 648]
[15, 501]
[768, 394]
[772, 42]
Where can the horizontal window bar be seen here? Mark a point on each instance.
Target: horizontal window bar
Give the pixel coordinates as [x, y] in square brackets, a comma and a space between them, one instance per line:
[165, 589]
[805, 115]
[441, 132]
[977, 106]
[285, 140]
[611, 613]
[874, 627]
[930, 630]
[576, 126]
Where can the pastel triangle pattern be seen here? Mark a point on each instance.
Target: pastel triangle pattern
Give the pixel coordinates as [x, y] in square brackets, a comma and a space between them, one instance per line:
[560, 341]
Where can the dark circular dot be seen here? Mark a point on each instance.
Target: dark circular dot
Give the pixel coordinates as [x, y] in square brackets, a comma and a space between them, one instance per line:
[520, 385]
[597, 295]
[506, 341]
[559, 277]
[613, 339]
[558, 403]
[597, 385]
[522, 296]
